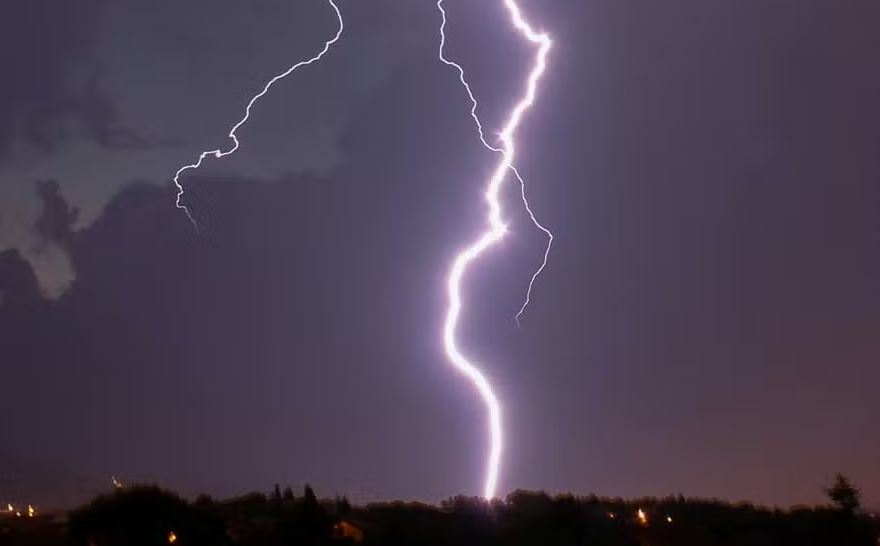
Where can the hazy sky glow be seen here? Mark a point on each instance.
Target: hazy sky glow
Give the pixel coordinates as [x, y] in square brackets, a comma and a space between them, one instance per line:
[709, 322]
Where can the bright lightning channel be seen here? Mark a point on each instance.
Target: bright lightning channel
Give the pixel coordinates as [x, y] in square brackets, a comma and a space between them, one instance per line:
[495, 229]
[218, 153]
[513, 169]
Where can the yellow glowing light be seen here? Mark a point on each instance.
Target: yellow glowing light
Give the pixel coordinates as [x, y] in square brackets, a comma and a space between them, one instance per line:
[18, 514]
[10, 508]
[643, 518]
[172, 538]
[31, 511]
[669, 519]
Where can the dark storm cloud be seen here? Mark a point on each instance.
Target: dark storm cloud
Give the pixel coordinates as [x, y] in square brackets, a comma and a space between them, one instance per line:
[708, 323]
[50, 92]
[166, 337]
[56, 221]
[97, 112]
[36, 94]
[17, 282]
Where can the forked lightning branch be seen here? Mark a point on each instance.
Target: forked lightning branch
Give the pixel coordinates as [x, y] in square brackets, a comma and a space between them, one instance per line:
[495, 229]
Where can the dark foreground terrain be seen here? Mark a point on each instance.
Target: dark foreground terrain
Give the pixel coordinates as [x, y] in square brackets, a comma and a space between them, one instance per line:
[145, 515]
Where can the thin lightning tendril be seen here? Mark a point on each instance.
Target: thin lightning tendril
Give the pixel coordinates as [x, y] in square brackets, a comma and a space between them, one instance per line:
[495, 230]
[218, 153]
[513, 169]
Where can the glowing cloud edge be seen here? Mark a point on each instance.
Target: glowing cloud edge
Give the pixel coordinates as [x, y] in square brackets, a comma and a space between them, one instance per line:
[218, 153]
[495, 231]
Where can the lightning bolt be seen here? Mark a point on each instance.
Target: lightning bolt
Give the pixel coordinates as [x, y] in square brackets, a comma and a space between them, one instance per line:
[218, 153]
[513, 169]
[495, 229]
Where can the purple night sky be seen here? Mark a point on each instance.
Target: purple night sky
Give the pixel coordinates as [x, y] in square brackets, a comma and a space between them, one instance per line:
[709, 322]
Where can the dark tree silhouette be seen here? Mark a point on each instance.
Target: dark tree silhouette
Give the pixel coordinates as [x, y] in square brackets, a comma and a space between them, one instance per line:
[844, 494]
[148, 516]
[287, 495]
[310, 501]
[143, 516]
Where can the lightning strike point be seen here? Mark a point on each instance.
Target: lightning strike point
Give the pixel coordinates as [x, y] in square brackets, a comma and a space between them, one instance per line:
[495, 229]
[218, 153]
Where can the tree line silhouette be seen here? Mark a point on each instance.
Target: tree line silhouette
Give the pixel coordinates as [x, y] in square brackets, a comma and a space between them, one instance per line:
[151, 516]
